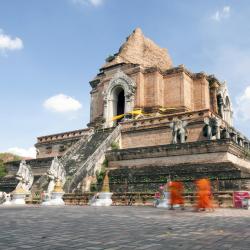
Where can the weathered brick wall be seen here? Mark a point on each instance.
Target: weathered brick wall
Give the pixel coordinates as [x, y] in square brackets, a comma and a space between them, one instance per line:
[175, 88]
[173, 96]
[145, 138]
[57, 144]
[158, 133]
[201, 98]
[144, 169]
[52, 149]
[224, 176]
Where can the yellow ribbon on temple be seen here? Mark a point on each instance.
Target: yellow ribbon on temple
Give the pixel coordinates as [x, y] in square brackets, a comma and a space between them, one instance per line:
[133, 112]
[117, 117]
[136, 112]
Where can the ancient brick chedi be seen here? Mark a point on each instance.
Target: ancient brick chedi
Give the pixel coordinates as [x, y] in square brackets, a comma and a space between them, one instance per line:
[167, 121]
[143, 74]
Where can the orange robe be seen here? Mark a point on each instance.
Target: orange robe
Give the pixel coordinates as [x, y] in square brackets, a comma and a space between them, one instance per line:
[176, 193]
[204, 195]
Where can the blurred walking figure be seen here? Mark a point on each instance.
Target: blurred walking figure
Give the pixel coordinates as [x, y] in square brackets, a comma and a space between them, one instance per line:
[176, 194]
[204, 195]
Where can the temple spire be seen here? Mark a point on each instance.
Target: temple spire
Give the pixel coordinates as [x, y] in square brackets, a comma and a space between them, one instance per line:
[105, 186]
[139, 49]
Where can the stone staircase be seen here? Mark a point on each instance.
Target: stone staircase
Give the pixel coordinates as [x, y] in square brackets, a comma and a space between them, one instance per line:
[86, 156]
[39, 184]
[71, 153]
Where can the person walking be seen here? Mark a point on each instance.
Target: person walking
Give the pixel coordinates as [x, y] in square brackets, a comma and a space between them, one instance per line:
[176, 194]
[204, 195]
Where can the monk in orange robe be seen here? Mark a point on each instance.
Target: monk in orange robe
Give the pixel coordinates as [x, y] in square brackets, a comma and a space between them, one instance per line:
[176, 194]
[204, 195]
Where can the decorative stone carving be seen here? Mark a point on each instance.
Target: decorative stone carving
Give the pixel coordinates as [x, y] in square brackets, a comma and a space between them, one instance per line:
[246, 144]
[104, 197]
[224, 104]
[225, 134]
[25, 177]
[217, 124]
[233, 135]
[5, 199]
[212, 128]
[55, 173]
[119, 80]
[179, 131]
[240, 140]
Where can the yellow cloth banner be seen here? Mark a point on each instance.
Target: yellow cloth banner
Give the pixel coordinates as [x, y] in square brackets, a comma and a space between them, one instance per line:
[134, 112]
[138, 112]
[117, 117]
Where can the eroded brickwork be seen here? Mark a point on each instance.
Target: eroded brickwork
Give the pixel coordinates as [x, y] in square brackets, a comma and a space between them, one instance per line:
[57, 144]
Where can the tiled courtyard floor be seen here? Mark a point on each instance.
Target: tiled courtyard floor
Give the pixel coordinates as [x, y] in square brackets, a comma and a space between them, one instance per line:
[113, 228]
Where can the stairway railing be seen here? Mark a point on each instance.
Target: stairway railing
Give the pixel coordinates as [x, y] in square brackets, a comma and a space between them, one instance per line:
[90, 163]
[69, 153]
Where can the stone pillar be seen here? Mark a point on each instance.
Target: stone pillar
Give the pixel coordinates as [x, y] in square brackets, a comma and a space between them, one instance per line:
[213, 95]
[105, 107]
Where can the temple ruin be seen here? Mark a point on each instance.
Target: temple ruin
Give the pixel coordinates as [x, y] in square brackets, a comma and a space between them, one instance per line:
[166, 122]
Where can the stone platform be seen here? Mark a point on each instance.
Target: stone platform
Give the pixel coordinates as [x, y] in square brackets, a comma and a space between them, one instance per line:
[113, 228]
[143, 168]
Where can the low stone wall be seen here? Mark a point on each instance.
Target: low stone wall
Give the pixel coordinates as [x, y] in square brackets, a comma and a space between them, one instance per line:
[221, 199]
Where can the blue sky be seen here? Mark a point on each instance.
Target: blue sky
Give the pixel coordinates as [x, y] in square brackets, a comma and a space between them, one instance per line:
[50, 50]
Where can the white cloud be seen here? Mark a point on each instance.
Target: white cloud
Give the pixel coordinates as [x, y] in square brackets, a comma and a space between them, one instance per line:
[29, 153]
[7, 43]
[242, 110]
[62, 104]
[221, 14]
[94, 3]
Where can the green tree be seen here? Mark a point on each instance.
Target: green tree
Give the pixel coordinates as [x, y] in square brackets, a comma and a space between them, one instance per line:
[115, 145]
[2, 169]
[5, 157]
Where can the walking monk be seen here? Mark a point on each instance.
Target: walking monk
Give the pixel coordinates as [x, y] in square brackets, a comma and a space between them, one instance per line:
[204, 195]
[176, 194]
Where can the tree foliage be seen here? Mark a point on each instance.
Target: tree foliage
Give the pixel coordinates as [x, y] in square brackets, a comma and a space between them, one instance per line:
[2, 169]
[6, 157]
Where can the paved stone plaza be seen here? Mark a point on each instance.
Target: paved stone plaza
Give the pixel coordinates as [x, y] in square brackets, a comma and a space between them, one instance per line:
[122, 228]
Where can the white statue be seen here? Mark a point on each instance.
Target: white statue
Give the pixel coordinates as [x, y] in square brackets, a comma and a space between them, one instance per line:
[25, 177]
[224, 104]
[212, 127]
[179, 131]
[55, 173]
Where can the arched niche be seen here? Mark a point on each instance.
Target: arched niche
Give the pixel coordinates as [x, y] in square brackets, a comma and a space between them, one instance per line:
[228, 113]
[226, 105]
[118, 97]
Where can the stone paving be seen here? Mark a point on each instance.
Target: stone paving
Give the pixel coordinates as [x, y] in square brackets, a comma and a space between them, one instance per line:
[111, 228]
